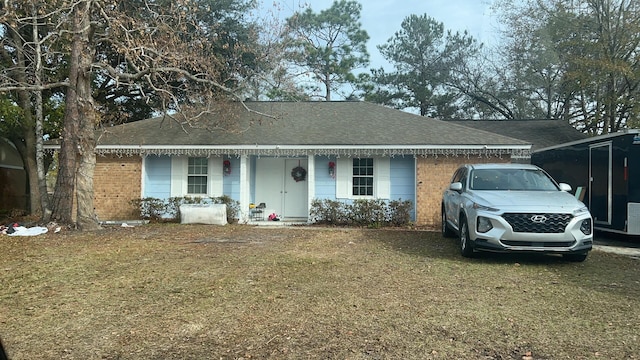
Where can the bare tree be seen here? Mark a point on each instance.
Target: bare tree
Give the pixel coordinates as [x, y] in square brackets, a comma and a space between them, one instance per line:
[23, 80]
[186, 55]
[272, 78]
[576, 60]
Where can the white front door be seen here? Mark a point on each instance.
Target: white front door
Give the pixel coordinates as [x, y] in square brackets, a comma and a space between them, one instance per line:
[276, 187]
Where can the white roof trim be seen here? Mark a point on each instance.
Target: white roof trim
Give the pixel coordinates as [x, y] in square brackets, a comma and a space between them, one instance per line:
[311, 150]
[592, 139]
[300, 147]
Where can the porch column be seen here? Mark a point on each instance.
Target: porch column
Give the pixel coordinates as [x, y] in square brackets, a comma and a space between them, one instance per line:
[311, 183]
[245, 187]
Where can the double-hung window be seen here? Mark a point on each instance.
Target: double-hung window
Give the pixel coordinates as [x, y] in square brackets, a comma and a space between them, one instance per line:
[358, 178]
[362, 181]
[197, 175]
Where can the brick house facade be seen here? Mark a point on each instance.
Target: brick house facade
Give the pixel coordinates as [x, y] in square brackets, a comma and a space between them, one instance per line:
[316, 133]
[433, 175]
[116, 182]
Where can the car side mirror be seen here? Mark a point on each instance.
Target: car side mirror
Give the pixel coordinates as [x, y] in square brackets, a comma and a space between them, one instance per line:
[456, 186]
[565, 187]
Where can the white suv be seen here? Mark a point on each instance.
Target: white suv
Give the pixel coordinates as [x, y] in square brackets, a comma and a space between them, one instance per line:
[515, 208]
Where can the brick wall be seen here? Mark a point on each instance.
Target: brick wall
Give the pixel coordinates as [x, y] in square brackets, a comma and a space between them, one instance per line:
[116, 182]
[433, 176]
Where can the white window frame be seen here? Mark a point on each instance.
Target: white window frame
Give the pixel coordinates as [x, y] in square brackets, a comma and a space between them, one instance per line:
[204, 175]
[381, 179]
[363, 166]
[179, 176]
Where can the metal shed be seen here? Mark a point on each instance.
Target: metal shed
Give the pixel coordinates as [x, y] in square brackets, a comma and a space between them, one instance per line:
[604, 172]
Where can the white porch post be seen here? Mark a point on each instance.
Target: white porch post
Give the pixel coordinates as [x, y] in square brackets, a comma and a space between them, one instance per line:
[245, 188]
[311, 183]
[143, 177]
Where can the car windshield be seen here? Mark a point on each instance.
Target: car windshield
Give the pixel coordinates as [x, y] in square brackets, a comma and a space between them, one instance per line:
[511, 179]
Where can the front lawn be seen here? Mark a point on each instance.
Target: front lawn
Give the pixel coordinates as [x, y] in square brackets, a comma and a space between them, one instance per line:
[169, 291]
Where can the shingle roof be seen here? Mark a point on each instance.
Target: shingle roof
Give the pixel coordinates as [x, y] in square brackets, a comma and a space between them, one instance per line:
[540, 133]
[307, 124]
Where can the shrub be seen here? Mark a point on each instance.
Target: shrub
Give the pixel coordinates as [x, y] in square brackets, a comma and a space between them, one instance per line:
[370, 213]
[328, 212]
[233, 207]
[173, 205]
[169, 209]
[399, 212]
[150, 208]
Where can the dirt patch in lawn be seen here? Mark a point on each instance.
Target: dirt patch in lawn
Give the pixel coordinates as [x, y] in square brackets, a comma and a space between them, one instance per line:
[168, 291]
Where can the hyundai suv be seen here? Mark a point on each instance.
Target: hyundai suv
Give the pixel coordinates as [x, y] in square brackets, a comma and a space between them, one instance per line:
[515, 208]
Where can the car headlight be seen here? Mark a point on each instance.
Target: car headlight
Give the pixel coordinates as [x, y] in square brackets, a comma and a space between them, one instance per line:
[477, 206]
[585, 226]
[580, 211]
[483, 224]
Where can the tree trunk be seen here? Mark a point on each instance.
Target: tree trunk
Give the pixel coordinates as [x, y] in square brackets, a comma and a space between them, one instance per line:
[28, 153]
[77, 150]
[62, 202]
[327, 85]
[87, 219]
[32, 173]
[43, 195]
[27, 148]
[28, 159]
[41, 183]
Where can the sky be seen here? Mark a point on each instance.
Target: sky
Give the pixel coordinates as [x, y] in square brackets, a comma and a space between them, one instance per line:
[382, 18]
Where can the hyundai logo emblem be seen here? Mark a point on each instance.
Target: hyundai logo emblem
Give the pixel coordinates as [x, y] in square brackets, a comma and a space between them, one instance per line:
[540, 219]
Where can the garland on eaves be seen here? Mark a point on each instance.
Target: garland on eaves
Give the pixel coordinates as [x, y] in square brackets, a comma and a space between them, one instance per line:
[350, 153]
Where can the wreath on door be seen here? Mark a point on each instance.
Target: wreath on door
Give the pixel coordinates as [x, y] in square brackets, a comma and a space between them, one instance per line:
[299, 173]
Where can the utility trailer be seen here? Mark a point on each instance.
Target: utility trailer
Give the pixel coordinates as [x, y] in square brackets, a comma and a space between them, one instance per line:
[604, 172]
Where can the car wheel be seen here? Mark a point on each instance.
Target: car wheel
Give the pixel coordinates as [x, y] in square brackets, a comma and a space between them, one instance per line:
[575, 257]
[466, 245]
[446, 230]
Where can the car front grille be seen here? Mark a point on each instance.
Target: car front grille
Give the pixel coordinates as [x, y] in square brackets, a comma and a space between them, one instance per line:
[538, 223]
[541, 244]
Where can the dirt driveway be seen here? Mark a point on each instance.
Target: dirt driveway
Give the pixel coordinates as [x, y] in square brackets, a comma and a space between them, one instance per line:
[618, 244]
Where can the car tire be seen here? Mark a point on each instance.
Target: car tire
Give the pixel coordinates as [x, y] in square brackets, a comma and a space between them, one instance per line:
[466, 244]
[446, 230]
[575, 257]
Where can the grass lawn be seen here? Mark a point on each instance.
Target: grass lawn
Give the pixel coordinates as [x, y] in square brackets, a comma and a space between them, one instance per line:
[169, 291]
